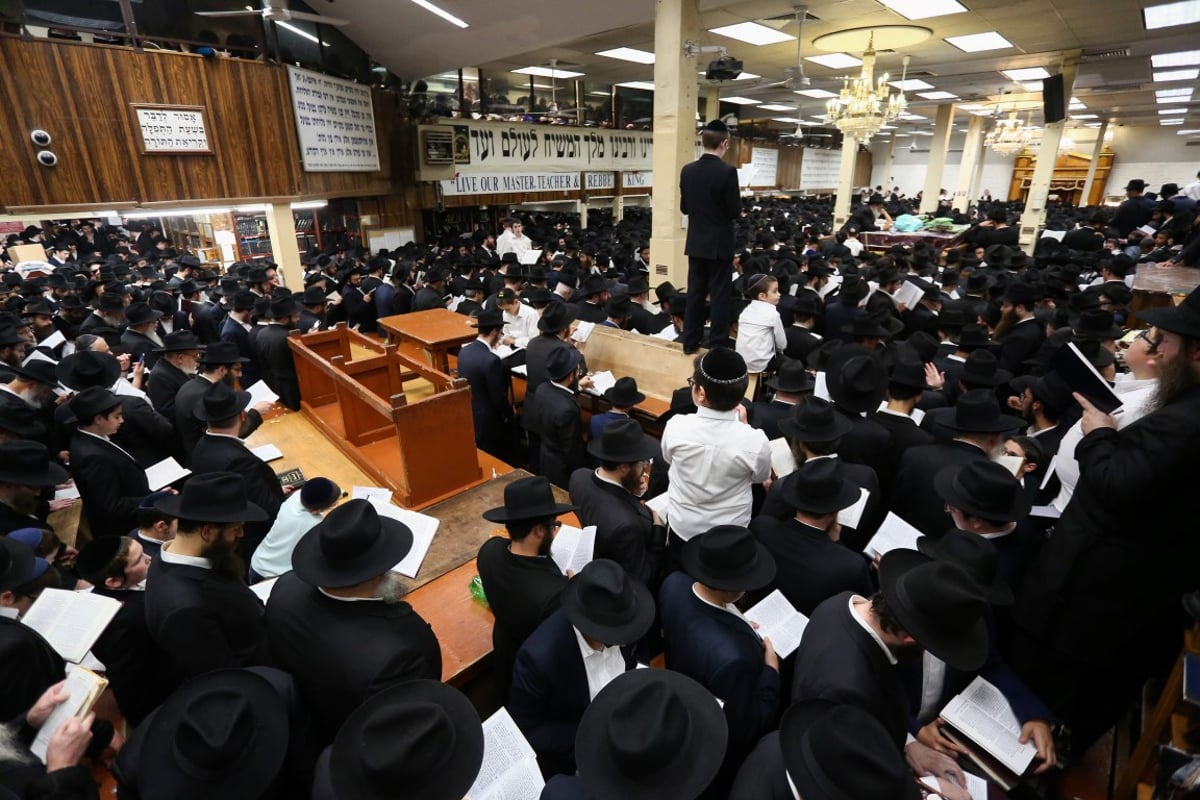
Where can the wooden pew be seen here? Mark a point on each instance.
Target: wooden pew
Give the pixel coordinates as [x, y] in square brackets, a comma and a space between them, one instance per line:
[352, 388]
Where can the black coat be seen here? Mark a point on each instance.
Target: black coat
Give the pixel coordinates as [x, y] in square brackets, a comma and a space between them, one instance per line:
[866, 443]
[553, 415]
[861, 476]
[110, 483]
[709, 195]
[491, 406]
[914, 499]
[140, 347]
[536, 353]
[763, 775]
[28, 667]
[134, 666]
[191, 430]
[839, 661]
[202, 620]
[427, 298]
[625, 531]
[146, 435]
[164, 383]
[1019, 344]
[905, 433]
[766, 416]
[207, 319]
[810, 567]
[227, 454]
[276, 364]
[232, 331]
[340, 653]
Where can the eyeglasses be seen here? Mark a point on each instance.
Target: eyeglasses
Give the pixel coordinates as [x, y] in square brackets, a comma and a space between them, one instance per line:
[1152, 345]
[691, 382]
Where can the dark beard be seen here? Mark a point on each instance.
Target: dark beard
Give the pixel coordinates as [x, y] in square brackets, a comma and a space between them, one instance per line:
[544, 547]
[632, 483]
[1174, 378]
[225, 560]
[1007, 321]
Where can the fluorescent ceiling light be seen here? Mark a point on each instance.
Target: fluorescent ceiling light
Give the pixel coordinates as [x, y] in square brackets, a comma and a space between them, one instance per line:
[835, 60]
[646, 85]
[1170, 14]
[777, 107]
[788, 120]
[741, 101]
[629, 54]
[546, 72]
[175, 212]
[937, 95]
[924, 9]
[753, 33]
[912, 117]
[816, 93]
[887, 128]
[983, 112]
[912, 84]
[1170, 122]
[1027, 74]
[1182, 58]
[978, 42]
[1188, 132]
[1091, 124]
[1163, 94]
[310, 204]
[304, 34]
[1170, 112]
[441, 12]
[1177, 75]
[1032, 87]
[599, 94]
[1085, 116]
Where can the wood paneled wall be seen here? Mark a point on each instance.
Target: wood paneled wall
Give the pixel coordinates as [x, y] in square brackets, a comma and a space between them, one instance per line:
[81, 95]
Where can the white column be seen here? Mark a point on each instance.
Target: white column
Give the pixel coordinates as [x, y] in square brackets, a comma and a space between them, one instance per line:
[282, 229]
[887, 165]
[977, 178]
[841, 210]
[939, 143]
[712, 103]
[972, 153]
[1096, 151]
[1039, 187]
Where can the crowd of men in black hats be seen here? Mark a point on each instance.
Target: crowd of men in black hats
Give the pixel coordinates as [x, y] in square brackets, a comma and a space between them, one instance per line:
[119, 352]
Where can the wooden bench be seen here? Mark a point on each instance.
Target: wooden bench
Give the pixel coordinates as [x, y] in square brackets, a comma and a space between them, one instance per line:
[352, 388]
[659, 367]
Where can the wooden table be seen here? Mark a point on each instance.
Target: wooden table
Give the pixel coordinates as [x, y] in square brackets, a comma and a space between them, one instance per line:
[430, 334]
[462, 624]
[1154, 287]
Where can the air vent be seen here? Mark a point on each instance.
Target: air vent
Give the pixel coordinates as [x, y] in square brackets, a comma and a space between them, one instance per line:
[784, 19]
[921, 73]
[1192, 144]
[1097, 55]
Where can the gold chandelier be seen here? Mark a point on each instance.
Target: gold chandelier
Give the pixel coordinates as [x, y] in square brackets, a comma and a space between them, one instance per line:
[1009, 136]
[865, 105]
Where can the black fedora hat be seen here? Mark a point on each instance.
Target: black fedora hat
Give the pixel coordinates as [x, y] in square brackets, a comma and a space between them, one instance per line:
[649, 734]
[556, 317]
[37, 370]
[212, 497]
[527, 498]
[856, 378]
[982, 369]
[973, 336]
[619, 307]
[312, 296]
[622, 441]
[222, 354]
[814, 419]
[978, 411]
[352, 544]
[284, 307]
[939, 605]
[605, 603]
[419, 739]
[87, 368]
[18, 563]
[22, 422]
[1096, 325]
[140, 313]
[489, 319]
[92, 401]
[878, 325]
[791, 377]
[1183, 319]
[112, 302]
[833, 751]
[222, 734]
[180, 341]
[951, 319]
[220, 402]
[908, 372]
[1051, 389]
[592, 284]
[27, 463]
[728, 558]
[983, 489]
[243, 301]
[979, 281]
[977, 556]
[624, 393]
[818, 487]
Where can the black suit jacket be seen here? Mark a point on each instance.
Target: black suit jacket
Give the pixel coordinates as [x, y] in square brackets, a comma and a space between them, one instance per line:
[766, 416]
[914, 498]
[202, 620]
[763, 775]
[232, 331]
[110, 482]
[554, 416]
[536, 353]
[207, 319]
[625, 530]
[905, 433]
[140, 346]
[276, 364]
[135, 667]
[550, 692]
[227, 454]
[838, 660]
[1019, 344]
[709, 195]
[866, 443]
[491, 407]
[28, 667]
[810, 567]
[340, 652]
[860, 475]
[191, 430]
[164, 384]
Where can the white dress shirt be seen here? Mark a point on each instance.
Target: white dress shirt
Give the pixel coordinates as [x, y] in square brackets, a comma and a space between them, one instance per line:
[760, 335]
[601, 666]
[523, 326]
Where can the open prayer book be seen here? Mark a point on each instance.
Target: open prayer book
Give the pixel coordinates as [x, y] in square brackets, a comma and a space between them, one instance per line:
[423, 528]
[260, 392]
[779, 621]
[976, 786]
[267, 452]
[851, 516]
[601, 382]
[983, 716]
[893, 534]
[573, 548]
[509, 770]
[164, 473]
[71, 621]
[1082, 377]
[263, 589]
[908, 294]
[83, 688]
[583, 331]
[782, 460]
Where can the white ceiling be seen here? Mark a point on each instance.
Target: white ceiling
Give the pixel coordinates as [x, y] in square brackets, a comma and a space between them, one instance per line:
[507, 34]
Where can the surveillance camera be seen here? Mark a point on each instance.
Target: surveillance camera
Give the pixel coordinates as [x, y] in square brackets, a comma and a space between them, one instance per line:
[40, 138]
[47, 158]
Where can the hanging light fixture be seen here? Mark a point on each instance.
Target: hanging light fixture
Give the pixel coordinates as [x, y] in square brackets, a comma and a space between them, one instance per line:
[864, 104]
[1009, 136]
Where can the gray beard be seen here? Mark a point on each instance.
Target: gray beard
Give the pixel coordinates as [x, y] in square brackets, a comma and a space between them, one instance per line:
[392, 589]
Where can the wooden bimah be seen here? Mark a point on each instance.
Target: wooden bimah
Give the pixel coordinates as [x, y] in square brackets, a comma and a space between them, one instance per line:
[352, 389]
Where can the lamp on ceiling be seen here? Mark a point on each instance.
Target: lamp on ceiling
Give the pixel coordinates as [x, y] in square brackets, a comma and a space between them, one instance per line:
[864, 104]
[1009, 136]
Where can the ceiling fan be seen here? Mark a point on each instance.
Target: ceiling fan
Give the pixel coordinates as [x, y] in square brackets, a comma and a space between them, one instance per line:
[793, 76]
[278, 12]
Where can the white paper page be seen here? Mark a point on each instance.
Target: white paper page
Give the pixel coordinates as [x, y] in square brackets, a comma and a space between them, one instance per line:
[264, 588]
[893, 534]
[1056, 235]
[584, 551]
[89, 661]
[782, 460]
[37, 355]
[504, 350]
[850, 516]
[563, 546]
[820, 387]
[983, 714]
[658, 504]
[601, 382]
[909, 294]
[1045, 512]
[509, 770]
[267, 452]
[78, 686]
[917, 415]
[521, 369]
[164, 473]
[70, 492]
[529, 257]
[1049, 474]
[976, 786]
[126, 389]
[583, 331]
[667, 334]
[260, 392]
[371, 493]
[53, 340]
[71, 621]
[1011, 463]
[779, 621]
[834, 282]
[423, 528]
